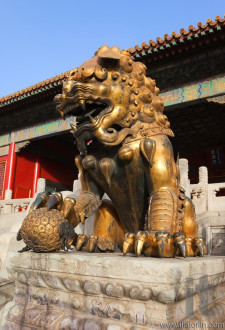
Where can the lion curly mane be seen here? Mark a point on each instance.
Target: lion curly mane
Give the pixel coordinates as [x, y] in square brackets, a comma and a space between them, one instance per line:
[110, 65]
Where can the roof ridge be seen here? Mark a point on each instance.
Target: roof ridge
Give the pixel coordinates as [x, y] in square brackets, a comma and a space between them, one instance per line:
[30, 90]
[192, 31]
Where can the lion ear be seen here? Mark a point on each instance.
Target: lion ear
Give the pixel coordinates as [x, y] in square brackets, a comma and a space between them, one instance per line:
[112, 53]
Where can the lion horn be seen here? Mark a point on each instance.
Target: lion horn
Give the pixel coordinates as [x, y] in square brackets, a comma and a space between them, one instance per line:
[112, 53]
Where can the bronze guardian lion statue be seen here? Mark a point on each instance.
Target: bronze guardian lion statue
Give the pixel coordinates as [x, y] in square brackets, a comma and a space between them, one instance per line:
[122, 136]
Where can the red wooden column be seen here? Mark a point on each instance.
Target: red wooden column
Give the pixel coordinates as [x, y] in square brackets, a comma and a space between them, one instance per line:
[37, 172]
[10, 170]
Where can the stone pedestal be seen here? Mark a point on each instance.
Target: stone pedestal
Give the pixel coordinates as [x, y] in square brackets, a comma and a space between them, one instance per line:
[110, 291]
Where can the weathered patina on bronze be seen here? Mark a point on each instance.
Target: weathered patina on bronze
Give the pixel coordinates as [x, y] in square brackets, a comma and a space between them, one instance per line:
[122, 135]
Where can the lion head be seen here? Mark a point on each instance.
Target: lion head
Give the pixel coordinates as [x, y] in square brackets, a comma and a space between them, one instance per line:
[111, 97]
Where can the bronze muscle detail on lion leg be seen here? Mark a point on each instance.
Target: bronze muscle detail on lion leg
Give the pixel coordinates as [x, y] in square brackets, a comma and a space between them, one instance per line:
[170, 227]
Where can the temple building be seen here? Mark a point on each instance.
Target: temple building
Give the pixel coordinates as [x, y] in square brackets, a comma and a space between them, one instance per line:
[188, 67]
[35, 142]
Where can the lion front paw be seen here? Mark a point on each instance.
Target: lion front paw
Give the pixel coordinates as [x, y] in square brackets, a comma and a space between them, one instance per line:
[94, 243]
[163, 244]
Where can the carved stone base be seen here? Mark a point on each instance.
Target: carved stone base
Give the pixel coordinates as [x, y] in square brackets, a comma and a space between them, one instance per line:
[6, 293]
[109, 291]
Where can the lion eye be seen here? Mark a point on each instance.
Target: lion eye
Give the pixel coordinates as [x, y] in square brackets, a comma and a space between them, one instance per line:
[72, 73]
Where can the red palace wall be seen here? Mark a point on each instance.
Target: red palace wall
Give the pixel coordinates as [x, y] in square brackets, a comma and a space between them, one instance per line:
[25, 174]
[23, 178]
[57, 173]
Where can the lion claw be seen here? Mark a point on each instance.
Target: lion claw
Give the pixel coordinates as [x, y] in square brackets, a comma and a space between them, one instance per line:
[136, 241]
[93, 240]
[179, 242]
[140, 241]
[85, 243]
[199, 244]
[81, 240]
[162, 242]
[41, 200]
[128, 242]
[55, 200]
[68, 205]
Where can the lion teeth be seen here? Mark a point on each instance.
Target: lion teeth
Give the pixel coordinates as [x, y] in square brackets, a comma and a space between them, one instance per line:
[92, 120]
[82, 105]
[74, 127]
[70, 107]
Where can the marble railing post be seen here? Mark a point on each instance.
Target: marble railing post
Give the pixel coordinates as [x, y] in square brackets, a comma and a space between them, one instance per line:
[203, 175]
[41, 185]
[10, 172]
[184, 180]
[203, 179]
[8, 194]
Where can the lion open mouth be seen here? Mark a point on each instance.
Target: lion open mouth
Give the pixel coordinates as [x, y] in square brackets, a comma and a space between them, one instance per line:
[86, 112]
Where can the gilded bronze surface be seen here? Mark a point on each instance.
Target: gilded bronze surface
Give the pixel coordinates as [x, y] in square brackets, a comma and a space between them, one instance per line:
[122, 136]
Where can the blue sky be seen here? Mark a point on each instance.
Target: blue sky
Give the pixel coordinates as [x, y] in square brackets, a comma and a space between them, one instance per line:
[42, 38]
